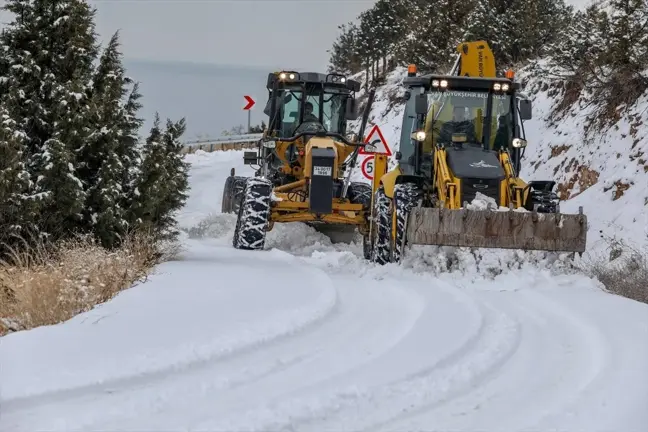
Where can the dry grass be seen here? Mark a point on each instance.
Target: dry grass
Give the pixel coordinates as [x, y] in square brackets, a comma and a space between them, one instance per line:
[624, 271]
[51, 284]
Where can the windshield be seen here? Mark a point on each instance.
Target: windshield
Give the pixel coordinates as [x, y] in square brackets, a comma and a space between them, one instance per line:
[322, 110]
[460, 114]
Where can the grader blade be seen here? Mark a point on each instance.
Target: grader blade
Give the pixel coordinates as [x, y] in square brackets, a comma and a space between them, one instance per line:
[498, 229]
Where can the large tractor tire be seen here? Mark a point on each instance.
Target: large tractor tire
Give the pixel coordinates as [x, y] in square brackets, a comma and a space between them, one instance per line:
[253, 215]
[360, 193]
[382, 238]
[232, 194]
[406, 197]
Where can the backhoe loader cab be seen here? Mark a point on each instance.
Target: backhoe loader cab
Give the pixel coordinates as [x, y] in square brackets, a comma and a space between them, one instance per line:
[304, 161]
[462, 138]
[470, 118]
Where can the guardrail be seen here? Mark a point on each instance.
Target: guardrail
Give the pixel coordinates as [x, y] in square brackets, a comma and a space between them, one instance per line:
[229, 142]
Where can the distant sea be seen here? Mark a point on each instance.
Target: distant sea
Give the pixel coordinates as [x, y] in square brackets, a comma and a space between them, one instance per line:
[209, 96]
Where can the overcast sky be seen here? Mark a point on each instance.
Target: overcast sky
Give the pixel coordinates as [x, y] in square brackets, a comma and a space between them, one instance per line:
[259, 33]
[263, 33]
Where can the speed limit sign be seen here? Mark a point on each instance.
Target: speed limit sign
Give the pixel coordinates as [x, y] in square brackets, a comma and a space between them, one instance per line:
[368, 167]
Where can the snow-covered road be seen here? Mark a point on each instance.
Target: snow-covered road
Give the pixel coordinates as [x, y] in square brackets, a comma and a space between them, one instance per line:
[307, 336]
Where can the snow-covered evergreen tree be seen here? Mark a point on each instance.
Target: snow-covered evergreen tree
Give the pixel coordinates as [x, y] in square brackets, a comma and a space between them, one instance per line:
[177, 170]
[162, 186]
[484, 23]
[102, 163]
[628, 38]
[578, 54]
[150, 186]
[129, 151]
[50, 50]
[17, 211]
[343, 55]
[53, 165]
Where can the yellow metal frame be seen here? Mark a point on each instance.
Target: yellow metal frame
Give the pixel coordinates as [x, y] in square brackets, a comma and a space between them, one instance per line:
[289, 204]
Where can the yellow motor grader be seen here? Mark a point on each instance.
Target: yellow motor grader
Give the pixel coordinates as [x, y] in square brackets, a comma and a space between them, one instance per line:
[304, 162]
[462, 139]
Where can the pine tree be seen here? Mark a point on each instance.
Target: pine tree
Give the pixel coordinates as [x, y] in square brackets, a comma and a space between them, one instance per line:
[177, 171]
[53, 166]
[628, 38]
[149, 189]
[484, 23]
[103, 171]
[50, 49]
[580, 50]
[129, 151]
[343, 55]
[16, 212]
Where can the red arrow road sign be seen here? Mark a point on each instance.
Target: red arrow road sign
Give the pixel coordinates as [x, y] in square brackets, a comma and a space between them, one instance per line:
[250, 102]
[381, 148]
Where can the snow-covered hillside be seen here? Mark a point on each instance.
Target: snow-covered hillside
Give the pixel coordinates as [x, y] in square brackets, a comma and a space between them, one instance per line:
[308, 336]
[607, 174]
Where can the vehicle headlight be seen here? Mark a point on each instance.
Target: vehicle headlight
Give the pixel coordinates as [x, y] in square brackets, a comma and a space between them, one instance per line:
[292, 76]
[435, 83]
[519, 143]
[419, 136]
[270, 144]
[282, 76]
[497, 86]
[505, 87]
[444, 83]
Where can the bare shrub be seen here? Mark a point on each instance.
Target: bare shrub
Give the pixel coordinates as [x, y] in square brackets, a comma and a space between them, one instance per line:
[48, 284]
[624, 271]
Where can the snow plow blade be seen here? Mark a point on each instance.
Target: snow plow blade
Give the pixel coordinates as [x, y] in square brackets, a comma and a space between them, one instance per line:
[498, 229]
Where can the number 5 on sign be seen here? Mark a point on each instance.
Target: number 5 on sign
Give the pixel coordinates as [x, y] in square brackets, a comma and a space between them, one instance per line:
[368, 167]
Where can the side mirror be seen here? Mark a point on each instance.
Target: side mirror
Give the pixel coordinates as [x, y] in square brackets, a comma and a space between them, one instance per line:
[525, 109]
[267, 108]
[351, 112]
[353, 85]
[421, 104]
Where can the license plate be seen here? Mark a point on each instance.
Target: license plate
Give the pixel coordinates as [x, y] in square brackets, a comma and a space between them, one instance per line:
[322, 170]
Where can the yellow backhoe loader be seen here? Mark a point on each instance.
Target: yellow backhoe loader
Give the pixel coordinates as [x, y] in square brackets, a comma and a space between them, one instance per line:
[304, 162]
[463, 138]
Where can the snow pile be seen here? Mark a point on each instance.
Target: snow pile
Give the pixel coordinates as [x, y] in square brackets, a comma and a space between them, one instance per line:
[208, 176]
[483, 202]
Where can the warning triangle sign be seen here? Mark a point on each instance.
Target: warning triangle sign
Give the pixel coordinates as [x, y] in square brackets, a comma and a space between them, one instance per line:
[381, 148]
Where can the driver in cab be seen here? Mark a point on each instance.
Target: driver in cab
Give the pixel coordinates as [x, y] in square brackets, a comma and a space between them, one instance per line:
[308, 113]
[460, 124]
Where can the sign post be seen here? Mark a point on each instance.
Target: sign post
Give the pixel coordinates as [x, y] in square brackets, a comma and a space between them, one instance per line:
[248, 108]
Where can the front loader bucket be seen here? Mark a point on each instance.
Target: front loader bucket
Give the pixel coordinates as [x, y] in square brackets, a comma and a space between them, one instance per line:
[498, 229]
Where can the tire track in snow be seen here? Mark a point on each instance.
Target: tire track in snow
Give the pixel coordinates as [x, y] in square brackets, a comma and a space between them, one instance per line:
[493, 340]
[282, 327]
[557, 360]
[359, 335]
